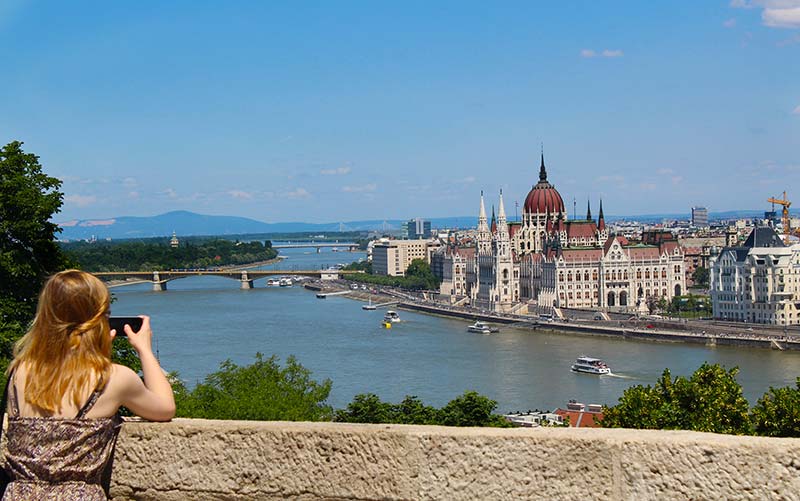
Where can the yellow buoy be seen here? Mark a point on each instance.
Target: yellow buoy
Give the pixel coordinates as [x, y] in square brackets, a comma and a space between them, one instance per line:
[388, 325]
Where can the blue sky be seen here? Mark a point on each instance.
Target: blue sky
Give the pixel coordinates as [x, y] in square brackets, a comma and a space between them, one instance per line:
[336, 111]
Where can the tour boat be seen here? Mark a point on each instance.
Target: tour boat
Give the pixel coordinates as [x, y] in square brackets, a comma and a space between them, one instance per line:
[391, 317]
[482, 328]
[273, 282]
[285, 282]
[591, 365]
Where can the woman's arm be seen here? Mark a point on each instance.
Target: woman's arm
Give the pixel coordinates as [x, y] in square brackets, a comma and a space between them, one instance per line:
[153, 398]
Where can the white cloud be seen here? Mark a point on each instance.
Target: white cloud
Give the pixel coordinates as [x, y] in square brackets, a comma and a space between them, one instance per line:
[335, 172]
[781, 18]
[729, 23]
[360, 189]
[298, 193]
[80, 200]
[615, 179]
[612, 53]
[677, 179]
[169, 192]
[775, 13]
[589, 53]
[240, 195]
[466, 180]
[130, 182]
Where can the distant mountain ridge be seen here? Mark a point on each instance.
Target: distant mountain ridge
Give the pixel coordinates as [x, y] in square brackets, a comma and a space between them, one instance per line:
[185, 223]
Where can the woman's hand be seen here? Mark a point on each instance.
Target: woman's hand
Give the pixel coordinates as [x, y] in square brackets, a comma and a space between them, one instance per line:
[142, 339]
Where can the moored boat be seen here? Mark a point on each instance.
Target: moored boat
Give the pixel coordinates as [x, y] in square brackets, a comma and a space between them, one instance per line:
[273, 282]
[591, 365]
[369, 306]
[482, 328]
[285, 282]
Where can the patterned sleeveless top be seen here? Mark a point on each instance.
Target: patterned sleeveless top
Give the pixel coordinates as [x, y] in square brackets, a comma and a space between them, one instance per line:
[58, 458]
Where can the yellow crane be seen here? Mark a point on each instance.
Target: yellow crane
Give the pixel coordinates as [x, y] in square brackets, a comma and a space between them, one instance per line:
[785, 215]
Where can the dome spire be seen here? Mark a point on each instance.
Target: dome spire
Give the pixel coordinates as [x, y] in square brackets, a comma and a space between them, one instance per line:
[542, 170]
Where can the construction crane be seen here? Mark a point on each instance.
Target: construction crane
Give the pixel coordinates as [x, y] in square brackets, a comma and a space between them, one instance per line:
[785, 215]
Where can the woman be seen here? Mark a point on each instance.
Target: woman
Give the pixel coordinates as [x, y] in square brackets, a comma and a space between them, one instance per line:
[64, 392]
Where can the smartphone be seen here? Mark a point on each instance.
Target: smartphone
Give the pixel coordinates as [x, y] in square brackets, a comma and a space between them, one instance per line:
[118, 323]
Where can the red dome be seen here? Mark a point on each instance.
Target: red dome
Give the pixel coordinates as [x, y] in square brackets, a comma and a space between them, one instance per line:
[544, 199]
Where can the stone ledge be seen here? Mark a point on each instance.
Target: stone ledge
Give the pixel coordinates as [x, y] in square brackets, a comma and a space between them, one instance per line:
[237, 460]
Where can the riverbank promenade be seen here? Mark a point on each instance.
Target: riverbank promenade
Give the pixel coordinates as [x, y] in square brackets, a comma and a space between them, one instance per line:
[244, 460]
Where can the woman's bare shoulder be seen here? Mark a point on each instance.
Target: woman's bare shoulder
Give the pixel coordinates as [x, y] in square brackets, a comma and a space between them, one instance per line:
[122, 376]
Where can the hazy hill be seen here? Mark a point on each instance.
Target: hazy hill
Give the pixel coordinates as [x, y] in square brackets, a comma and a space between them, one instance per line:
[186, 223]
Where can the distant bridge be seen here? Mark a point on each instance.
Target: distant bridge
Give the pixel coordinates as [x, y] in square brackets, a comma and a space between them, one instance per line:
[308, 245]
[159, 279]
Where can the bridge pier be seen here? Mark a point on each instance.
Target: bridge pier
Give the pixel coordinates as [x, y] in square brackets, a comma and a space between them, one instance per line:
[246, 282]
[158, 284]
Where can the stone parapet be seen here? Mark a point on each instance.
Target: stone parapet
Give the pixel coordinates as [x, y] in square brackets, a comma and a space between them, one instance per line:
[237, 460]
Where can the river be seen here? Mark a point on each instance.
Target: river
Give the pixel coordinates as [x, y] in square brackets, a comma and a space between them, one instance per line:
[201, 321]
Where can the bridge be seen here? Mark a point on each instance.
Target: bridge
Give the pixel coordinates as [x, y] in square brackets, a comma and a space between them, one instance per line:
[309, 245]
[159, 279]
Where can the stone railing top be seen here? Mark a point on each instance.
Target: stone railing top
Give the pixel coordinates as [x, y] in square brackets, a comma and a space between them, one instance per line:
[204, 459]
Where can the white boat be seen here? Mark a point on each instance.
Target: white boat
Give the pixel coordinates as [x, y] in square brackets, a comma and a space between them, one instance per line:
[369, 306]
[482, 328]
[591, 365]
[285, 282]
[273, 282]
[391, 317]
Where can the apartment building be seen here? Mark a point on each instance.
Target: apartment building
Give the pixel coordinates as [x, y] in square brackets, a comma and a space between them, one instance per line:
[392, 257]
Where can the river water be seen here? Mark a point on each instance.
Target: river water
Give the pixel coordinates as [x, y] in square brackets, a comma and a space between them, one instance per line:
[201, 321]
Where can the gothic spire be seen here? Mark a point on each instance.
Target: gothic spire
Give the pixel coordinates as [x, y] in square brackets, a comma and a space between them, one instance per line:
[501, 218]
[494, 221]
[542, 170]
[482, 226]
[601, 222]
[588, 210]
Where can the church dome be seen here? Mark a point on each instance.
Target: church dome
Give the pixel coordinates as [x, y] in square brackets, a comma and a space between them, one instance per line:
[543, 197]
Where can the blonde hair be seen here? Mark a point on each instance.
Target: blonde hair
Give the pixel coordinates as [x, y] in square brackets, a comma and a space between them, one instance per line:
[68, 345]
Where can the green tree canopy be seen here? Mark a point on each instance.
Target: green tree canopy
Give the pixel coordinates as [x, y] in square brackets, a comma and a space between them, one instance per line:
[777, 413]
[261, 391]
[28, 251]
[469, 409]
[710, 400]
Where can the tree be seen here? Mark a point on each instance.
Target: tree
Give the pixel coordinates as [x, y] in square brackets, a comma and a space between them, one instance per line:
[365, 408]
[711, 400]
[471, 409]
[28, 251]
[262, 391]
[700, 276]
[777, 413]
[420, 272]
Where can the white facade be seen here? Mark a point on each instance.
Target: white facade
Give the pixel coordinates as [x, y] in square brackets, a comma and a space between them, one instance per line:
[757, 285]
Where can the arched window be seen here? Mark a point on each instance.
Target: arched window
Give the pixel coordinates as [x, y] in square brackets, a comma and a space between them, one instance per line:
[569, 276]
[623, 298]
[664, 273]
[625, 274]
[647, 273]
[677, 290]
[505, 274]
[594, 275]
[614, 275]
[611, 298]
[560, 276]
[639, 273]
